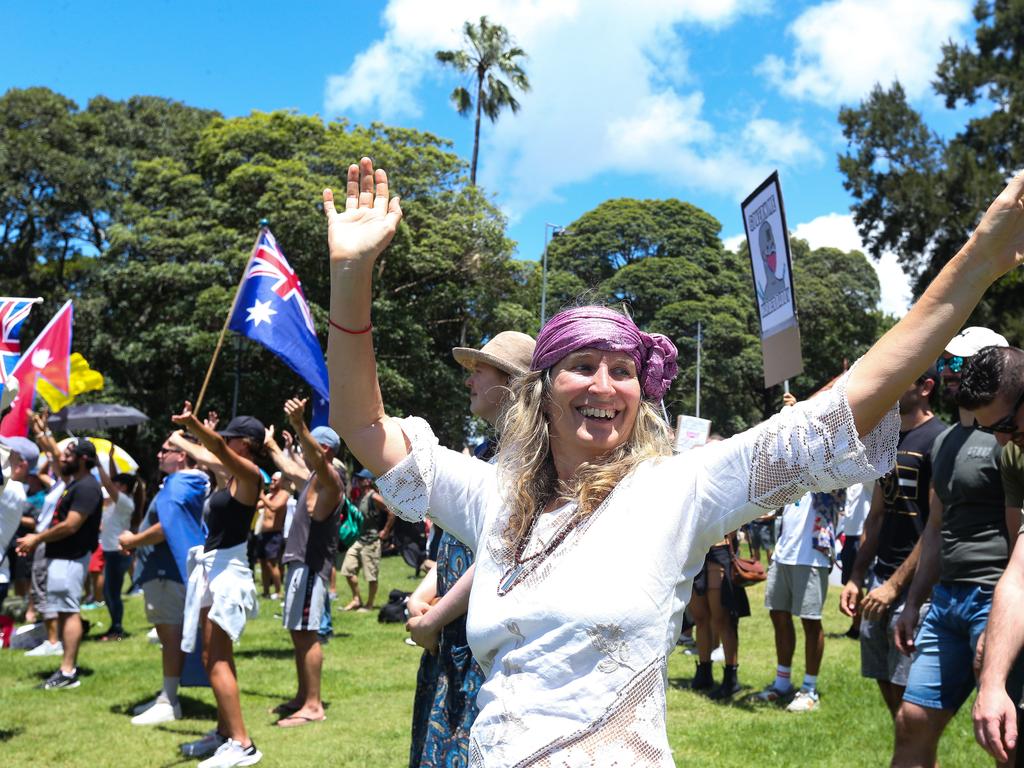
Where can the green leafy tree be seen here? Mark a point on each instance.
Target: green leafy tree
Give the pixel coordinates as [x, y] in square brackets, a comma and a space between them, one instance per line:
[920, 195]
[488, 49]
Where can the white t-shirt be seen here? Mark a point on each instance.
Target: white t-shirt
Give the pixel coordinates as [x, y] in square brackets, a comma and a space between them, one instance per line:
[575, 656]
[117, 517]
[802, 527]
[12, 506]
[858, 503]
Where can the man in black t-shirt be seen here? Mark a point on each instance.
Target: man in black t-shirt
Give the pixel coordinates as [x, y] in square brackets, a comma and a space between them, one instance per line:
[899, 510]
[70, 541]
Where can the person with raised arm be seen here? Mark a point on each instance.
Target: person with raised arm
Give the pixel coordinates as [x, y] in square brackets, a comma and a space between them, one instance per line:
[221, 595]
[574, 655]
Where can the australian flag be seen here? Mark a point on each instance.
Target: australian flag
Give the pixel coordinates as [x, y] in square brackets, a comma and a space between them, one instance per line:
[272, 310]
[12, 317]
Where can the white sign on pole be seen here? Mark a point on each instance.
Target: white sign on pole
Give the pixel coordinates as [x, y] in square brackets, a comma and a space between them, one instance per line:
[764, 219]
[691, 431]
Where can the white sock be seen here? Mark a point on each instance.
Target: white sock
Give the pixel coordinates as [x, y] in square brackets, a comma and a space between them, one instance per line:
[810, 683]
[170, 690]
[782, 675]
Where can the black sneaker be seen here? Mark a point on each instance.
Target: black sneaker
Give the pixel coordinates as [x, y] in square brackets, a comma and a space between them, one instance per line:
[59, 680]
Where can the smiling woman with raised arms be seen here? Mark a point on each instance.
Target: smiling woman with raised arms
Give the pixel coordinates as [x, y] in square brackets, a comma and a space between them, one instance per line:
[575, 653]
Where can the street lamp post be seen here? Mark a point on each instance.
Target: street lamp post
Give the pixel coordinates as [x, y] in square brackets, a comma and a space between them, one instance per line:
[554, 229]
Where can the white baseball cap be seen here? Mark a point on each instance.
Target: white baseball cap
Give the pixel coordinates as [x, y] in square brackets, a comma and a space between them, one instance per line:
[970, 341]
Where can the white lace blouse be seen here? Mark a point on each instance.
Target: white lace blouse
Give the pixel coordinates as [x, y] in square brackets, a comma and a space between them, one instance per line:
[574, 631]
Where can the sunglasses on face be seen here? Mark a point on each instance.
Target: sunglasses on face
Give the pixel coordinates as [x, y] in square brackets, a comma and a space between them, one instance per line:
[162, 451]
[954, 364]
[1006, 425]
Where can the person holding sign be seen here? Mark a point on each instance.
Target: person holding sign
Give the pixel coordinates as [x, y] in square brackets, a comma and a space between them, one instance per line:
[574, 655]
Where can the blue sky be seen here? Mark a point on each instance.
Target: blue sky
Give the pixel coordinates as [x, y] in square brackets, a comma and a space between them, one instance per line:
[697, 100]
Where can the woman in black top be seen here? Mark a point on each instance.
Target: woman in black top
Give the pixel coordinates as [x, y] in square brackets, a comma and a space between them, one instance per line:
[230, 517]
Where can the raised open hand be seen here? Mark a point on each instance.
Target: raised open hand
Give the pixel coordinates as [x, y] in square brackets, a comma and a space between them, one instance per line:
[365, 227]
[186, 414]
[1000, 235]
[211, 420]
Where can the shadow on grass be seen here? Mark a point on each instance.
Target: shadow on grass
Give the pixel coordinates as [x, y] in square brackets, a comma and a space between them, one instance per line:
[8, 734]
[745, 699]
[190, 708]
[270, 653]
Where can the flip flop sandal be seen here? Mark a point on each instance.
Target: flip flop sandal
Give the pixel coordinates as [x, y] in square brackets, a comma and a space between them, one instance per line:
[302, 720]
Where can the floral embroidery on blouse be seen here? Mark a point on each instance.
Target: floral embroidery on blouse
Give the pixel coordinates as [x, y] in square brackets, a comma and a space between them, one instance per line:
[610, 640]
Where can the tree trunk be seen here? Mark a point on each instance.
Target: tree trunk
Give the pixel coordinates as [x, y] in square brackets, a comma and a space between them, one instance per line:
[476, 133]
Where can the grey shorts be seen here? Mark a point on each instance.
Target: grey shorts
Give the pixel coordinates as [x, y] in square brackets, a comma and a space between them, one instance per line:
[40, 565]
[879, 659]
[64, 582]
[796, 589]
[165, 601]
[305, 595]
[762, 534]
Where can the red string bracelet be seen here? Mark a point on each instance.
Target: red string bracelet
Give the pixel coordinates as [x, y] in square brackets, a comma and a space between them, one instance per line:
[367, 329]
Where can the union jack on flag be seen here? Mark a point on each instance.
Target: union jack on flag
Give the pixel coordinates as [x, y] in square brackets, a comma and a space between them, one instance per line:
[12, 316]
[269, 261]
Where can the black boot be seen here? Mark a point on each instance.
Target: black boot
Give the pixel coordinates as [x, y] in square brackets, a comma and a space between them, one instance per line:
[730, 684]
[702, 680]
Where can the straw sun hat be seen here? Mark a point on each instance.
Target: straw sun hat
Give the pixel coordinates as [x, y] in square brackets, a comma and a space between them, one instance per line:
[509, 351]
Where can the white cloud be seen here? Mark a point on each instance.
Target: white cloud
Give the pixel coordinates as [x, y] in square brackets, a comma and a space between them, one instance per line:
[842, 48]
[611, 93]
[837, 230]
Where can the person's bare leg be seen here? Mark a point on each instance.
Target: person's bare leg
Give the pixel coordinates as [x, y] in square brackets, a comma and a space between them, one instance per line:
[265, 577]
[701, 615]
[52, 630]
[371, 594]
[71, 635]
[892, 694]
[219, 658]
[275, 575]
[814, 645]
[172, 657]
[724, 627]
[309, 658]
[918, 730]
[357, 599]
[785, 637]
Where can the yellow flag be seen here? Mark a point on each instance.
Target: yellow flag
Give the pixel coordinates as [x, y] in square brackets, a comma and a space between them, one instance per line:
[83, 379]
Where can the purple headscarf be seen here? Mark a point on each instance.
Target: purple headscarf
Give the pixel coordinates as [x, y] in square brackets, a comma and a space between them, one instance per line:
[602, 328]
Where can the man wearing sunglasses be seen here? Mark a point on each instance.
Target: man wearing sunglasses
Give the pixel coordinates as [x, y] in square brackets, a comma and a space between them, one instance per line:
[993, 390]
[961, 553]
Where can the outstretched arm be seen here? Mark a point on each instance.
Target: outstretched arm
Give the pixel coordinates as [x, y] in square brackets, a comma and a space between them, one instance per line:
[245, 473]
[909, 347]
[356, 236]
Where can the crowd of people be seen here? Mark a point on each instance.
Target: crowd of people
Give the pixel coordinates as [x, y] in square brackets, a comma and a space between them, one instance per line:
[535, 651]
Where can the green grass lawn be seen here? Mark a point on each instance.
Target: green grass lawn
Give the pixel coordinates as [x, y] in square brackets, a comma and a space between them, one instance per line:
[369, 676]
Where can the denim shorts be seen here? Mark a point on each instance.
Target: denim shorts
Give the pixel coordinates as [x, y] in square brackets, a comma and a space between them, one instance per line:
[942, 676]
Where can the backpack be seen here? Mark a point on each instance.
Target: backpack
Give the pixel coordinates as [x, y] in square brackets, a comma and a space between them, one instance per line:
[351, 527]
[394, 611]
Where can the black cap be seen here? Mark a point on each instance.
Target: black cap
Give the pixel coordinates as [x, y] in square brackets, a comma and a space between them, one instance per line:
[84, 448]
[244, 426]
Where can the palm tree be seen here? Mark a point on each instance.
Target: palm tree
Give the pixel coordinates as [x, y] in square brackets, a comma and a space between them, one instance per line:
[488, 47]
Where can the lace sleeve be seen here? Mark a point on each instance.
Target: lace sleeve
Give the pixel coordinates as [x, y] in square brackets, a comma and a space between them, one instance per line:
[452, 488]
[811, 446]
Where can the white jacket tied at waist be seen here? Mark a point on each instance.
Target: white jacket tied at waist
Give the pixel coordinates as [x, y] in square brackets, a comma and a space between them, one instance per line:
[225, 572]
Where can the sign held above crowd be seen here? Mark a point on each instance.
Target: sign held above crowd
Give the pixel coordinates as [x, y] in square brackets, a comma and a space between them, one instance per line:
[764, 220]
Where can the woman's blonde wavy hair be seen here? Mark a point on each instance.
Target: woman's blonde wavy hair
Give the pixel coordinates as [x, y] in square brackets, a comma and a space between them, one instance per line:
[528, 470]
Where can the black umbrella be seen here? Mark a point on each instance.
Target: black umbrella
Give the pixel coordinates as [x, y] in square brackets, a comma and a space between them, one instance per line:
[96, 416]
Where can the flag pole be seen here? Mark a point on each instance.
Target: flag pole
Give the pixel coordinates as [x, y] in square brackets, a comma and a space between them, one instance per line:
[264, 224]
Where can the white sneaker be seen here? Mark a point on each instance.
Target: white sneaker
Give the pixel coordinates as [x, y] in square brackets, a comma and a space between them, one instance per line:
[203, 747]
[46, 648]
[160, 712]
[804, 701]
[138, 709]
[232, 753]
[718, 655]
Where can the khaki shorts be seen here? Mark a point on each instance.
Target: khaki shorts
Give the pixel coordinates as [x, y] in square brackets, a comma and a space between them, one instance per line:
[796, 589]
[165, 601]
[363, 555]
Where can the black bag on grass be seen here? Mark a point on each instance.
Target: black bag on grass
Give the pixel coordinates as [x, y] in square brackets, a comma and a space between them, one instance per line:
[394, 611]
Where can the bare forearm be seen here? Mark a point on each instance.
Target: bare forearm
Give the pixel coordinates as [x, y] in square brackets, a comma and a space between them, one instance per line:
[427, 589]
[57, 532]
[292, 470]
[455, 602]
[147, 538]
[909, 347]
[1004, 636]
[927, 571]
[905, 573]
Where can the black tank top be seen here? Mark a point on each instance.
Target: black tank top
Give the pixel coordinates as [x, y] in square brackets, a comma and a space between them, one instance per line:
[229, 521]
